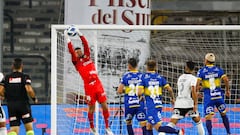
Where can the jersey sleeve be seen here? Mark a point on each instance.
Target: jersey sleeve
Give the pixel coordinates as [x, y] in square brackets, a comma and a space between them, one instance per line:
[194, 81]
[199, 75]
[164, 82]
[85, 46]
[27, 80]
[221, 73]
[72, 52]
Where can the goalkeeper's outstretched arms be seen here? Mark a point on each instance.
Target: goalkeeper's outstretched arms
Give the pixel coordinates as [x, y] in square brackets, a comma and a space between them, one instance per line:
[85, 43]
[70, 47]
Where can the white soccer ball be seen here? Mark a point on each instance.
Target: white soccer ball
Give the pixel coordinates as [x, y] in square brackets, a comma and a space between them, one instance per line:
[72, 31]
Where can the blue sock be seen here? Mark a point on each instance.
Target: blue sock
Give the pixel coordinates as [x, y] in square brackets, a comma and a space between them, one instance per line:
[144, 130]
[209, 126]
[130, 130]
[167, 129]
[226, 123]
[149, 132]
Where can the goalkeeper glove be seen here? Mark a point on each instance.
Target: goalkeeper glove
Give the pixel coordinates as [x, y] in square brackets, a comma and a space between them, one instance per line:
[78, 32]
[66, 36]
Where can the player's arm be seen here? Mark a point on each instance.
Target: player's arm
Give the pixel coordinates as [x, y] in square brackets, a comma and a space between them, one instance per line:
[29, 89]
[120, 88]
[85, 43]
[31, 93]
[70, 47]
[194, 97]
[170, 90]
[2, 90]
[226, 82]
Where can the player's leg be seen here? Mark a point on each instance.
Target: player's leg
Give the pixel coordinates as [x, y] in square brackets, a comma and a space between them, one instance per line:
[102, 99]
[27, 118]
[13, 119]
[155, 120]
[209, 112]
[141, 117]
[129, 114]
[221, 106]
[197, 119]
[3, 129]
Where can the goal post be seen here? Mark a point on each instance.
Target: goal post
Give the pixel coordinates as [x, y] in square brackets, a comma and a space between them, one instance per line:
[112, 45]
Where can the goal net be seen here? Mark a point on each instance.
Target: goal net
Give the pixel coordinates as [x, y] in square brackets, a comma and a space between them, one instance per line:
[111, 47]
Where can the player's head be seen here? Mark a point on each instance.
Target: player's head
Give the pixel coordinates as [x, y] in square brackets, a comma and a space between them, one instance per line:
[132, 63]
[190, 66]
[17, 64]
[78, 52]
[209, 58]
[151, 65]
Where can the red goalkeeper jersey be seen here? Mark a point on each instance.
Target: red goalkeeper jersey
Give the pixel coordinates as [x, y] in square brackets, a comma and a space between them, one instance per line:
[84, 65]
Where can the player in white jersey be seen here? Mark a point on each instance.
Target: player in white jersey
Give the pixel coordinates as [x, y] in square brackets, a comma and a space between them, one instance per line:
[3, 129]
[187, 100]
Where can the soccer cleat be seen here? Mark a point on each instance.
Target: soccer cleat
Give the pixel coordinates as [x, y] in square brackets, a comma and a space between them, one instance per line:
[93, 131]
[109, 132]
[181, 132]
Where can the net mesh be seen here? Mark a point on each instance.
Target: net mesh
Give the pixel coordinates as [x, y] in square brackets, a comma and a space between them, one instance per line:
[171, 49]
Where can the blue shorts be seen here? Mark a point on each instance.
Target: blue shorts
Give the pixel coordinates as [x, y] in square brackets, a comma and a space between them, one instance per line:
[154, 115]
[140, 113]
[210, 105]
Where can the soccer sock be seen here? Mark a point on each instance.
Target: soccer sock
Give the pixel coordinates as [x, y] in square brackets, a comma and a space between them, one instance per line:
[209, 126]
[149, 132]
[30, 132]
[167, 129]
[144, 130]
[3, 131]
[226, 123]
[106, 116]
[90, 118]
[130, 130]
[200, 128]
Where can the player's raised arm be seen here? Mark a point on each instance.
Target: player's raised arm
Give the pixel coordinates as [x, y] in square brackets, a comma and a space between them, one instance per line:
[70, 47]
[85, 43]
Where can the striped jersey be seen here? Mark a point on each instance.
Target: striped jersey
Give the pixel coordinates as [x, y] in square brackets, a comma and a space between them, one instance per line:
[211, 76]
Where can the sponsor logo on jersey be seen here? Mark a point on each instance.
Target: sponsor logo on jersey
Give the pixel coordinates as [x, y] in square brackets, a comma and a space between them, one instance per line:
[15, 80]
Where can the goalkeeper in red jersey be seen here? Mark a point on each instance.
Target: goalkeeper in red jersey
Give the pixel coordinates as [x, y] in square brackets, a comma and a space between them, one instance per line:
[92, 85]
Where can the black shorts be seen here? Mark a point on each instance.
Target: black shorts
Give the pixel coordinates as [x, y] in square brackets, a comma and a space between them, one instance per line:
[180, 113]
[19, 111]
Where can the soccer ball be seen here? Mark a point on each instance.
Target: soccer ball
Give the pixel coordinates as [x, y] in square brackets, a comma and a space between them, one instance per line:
[71, 31]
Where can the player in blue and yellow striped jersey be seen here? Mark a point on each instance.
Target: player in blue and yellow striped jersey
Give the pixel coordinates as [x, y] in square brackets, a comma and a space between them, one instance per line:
[152, 85]
[134, 106]
[210, 77]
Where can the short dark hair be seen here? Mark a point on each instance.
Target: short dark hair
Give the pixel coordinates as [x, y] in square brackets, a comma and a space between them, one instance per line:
[151, 64]
[77, 48]
[190, 65]
[17, 63]
[132, 62]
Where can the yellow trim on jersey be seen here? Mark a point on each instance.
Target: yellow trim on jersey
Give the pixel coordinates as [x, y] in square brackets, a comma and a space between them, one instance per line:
[147, 92]
[158, 106]
[199, 78]
[213, 98]
[134, 106]
[128, 89]
[206, 83]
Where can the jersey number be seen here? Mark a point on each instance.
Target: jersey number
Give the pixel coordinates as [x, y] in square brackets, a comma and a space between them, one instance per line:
[133, 90]
[212, 84]
[154, 91]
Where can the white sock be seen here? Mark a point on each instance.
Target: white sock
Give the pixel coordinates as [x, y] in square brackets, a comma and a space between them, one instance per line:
[172, 125]
[200, 128]
[3, 131]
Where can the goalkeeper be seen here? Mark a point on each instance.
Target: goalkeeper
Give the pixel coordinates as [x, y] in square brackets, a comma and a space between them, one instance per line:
[93, 87]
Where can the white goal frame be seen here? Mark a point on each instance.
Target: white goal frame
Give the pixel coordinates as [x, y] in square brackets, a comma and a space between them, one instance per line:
[54, 29]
